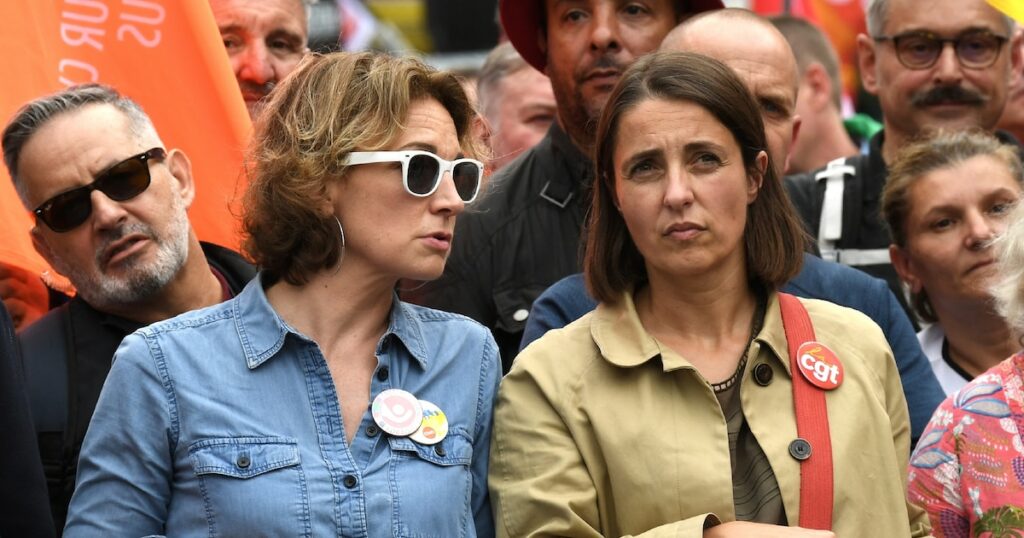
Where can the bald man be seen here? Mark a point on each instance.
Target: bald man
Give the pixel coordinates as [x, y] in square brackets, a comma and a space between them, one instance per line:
[765, 64]
[265, 40]
[762, 59]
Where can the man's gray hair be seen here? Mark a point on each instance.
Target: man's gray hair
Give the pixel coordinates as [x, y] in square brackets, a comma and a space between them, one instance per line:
[501, 62]
[878, 9]
[35, 114]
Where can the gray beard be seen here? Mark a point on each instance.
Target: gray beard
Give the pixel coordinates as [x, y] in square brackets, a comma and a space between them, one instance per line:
[139, 282]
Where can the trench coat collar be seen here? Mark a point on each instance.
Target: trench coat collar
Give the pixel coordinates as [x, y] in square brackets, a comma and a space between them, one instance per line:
[623, 341]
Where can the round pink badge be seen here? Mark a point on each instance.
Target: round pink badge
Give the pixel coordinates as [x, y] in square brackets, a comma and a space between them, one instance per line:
[397, 412]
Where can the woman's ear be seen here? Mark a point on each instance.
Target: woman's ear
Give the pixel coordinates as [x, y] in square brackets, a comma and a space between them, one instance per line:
[904, 267]
[332, 192]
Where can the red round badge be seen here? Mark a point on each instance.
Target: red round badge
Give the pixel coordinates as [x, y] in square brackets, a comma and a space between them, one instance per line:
[819, 365]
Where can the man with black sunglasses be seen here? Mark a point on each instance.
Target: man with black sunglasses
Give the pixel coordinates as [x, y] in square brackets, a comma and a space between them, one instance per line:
[110, 204]
[942, 64]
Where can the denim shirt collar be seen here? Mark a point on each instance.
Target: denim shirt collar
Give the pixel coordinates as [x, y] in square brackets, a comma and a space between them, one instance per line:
[262, 332]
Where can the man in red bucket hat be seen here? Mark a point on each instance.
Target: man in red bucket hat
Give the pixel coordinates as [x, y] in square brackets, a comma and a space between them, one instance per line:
[524, 234]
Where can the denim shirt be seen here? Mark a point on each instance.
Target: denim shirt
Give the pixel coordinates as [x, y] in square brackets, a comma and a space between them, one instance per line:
[225, 422]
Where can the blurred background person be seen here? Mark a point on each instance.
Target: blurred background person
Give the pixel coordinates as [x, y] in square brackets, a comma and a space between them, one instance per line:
[24, 295]
[265, 39]
[822, 136]
[947, 198]
[517, 102]
[670, 408]
[966, 471]
[255, 417]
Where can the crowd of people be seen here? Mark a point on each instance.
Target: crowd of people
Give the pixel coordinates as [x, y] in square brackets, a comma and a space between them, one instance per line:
[649, 282]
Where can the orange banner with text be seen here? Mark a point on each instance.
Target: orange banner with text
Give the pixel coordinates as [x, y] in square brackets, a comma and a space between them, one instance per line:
[165, 54]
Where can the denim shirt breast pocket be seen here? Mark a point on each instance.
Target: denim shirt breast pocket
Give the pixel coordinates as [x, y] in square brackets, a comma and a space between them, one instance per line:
[433, 485]
[251, 486]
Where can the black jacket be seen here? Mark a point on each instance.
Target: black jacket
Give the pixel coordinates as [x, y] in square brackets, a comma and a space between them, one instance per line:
[521, 237]
[24, 510]
[68, 352]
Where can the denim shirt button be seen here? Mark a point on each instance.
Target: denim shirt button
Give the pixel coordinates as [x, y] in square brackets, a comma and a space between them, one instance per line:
[349, 481]
[243, 461]
[372, 430]
[439, 450]
[382, 374]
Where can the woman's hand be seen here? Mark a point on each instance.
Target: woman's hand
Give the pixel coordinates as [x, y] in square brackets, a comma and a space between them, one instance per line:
[762, 530]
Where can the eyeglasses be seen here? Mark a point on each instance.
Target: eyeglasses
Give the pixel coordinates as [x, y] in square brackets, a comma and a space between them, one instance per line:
[975, 49]
[123, 181]
[422, 171]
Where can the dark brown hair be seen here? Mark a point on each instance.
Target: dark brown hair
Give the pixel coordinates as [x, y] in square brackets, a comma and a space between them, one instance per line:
[329, 106]
[773, 239]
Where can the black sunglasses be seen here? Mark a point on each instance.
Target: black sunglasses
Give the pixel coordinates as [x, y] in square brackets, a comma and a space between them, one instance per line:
[123, 181]
[975, 49]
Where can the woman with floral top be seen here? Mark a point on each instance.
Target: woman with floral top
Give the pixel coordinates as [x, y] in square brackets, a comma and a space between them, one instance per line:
[968, 469]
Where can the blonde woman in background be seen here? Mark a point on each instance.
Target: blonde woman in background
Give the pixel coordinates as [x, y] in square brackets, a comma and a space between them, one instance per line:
[948, 196]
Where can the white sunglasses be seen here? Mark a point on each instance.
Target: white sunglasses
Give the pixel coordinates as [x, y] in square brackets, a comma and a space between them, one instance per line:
[422, 171]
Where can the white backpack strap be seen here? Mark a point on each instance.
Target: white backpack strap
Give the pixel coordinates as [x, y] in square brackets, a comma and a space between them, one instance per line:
[830, 230]
[857, 258]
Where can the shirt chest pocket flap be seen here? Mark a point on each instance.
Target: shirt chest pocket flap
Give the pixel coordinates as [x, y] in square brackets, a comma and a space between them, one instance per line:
[251, 485]
[243, 457]
[454, 449]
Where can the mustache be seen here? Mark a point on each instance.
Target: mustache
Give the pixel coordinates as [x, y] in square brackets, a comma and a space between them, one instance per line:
[602, 62]
[258, 89]
[947, 94]
[109, 236]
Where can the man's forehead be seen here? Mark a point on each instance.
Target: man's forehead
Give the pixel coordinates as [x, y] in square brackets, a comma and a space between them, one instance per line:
[963, 15]
[88, 139]
[762, 59]
[266, 14]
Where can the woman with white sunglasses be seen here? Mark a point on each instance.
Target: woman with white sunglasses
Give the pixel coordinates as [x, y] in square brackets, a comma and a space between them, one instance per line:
[316, 403]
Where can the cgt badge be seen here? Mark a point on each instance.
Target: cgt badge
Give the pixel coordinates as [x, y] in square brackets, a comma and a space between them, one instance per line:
[819, 365]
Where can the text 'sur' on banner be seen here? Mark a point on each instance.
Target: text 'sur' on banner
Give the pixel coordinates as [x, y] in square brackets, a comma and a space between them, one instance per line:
[165, 54]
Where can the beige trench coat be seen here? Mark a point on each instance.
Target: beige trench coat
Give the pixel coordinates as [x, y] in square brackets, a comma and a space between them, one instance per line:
[594, 435]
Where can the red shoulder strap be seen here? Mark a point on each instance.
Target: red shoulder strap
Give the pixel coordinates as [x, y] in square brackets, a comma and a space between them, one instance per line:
[816, 487]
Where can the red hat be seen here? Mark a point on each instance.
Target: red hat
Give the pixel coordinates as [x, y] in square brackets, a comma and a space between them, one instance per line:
[522, 18]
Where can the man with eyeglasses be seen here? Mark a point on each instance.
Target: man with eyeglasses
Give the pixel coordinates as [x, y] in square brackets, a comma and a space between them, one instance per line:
[942, 64]
[110, 205]
[265, 39]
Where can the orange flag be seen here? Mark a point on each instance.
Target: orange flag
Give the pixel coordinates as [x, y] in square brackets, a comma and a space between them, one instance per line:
[841, 20]
[165, 54]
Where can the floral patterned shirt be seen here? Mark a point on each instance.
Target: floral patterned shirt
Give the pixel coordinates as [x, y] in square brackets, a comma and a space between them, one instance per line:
[968, 468]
